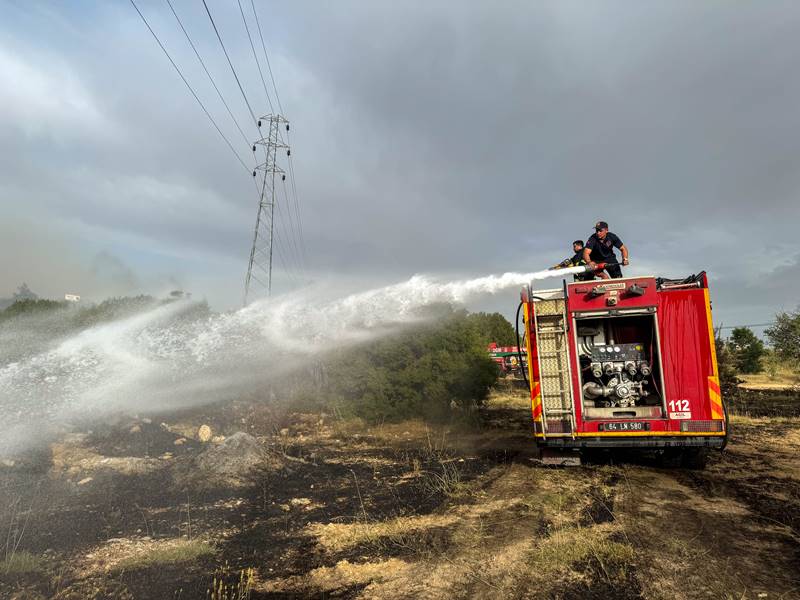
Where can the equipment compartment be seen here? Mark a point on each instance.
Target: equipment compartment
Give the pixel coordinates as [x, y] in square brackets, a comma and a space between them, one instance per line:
[620, 374]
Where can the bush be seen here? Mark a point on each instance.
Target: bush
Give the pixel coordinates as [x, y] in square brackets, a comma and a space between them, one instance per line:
[418, 373]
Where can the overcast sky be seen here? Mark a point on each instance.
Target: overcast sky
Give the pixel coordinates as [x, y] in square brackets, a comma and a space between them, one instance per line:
[448, 138]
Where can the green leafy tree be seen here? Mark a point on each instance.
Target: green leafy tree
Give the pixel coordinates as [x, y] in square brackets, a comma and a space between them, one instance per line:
[493, 327]
[747, 349]
[784, 336]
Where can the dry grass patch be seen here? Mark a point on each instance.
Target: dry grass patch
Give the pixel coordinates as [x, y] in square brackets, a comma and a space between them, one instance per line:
[71, 457]
[338, 536]
[784, 378]
[577, 545]
[179, 551]
[131, 554]
[343, 575]
[518, 399]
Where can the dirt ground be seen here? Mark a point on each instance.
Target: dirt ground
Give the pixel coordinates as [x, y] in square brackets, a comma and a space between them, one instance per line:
[338, 509]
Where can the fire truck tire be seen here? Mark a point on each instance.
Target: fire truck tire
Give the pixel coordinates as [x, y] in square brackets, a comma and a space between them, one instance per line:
[727, 425]
[686, 458]
[694, 458]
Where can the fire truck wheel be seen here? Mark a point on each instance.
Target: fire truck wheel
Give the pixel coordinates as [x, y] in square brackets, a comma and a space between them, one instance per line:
[694, 458]
[687, 458]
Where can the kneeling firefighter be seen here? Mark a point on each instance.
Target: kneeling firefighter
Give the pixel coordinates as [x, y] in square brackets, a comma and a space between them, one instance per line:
[577, 260]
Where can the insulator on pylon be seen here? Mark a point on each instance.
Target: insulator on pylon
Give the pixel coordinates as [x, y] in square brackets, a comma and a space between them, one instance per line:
[259, 122]
[254, 173]
[283, 177]
[254, 147]
[288, 152]
[287, 127]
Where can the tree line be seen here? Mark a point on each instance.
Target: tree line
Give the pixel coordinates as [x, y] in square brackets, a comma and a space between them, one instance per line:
[743, 353]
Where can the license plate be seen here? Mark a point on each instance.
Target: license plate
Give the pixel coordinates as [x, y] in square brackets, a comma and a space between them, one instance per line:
[628, 426]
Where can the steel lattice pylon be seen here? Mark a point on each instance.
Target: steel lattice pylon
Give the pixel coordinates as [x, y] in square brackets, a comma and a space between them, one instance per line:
[259, 269]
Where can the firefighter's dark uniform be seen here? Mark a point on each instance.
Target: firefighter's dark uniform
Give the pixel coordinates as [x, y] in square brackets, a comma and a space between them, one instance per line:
[576, 261]
[603, 251]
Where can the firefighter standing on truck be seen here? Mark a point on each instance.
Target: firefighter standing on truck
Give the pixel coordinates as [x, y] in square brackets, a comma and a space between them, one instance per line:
[600, 249]
[576, 260]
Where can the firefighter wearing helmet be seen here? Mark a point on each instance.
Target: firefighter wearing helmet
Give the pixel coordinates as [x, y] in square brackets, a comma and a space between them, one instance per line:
[600, 249]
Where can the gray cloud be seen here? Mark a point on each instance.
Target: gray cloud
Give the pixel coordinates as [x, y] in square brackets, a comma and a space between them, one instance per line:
[428, 137]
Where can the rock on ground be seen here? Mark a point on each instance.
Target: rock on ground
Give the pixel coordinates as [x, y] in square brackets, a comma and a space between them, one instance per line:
[230, 462]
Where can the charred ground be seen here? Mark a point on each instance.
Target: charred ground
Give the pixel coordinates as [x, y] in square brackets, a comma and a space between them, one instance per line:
[337, 508]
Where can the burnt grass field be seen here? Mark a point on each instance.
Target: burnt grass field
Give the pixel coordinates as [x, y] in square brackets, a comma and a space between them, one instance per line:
[312, 506]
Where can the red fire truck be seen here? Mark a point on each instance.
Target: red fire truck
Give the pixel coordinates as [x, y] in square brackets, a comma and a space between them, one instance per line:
[624, 363]
[510, 361]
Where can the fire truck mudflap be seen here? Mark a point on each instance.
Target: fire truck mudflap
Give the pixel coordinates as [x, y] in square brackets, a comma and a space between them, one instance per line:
[624, 363]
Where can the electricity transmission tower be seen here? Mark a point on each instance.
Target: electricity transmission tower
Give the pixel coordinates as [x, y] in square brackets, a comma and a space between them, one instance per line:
[259, 270]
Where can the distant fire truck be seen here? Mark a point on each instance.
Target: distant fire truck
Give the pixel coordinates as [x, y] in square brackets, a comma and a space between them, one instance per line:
[509, 359]
[622, 363]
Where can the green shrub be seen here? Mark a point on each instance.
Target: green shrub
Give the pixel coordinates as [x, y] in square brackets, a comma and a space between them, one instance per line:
[421, 372]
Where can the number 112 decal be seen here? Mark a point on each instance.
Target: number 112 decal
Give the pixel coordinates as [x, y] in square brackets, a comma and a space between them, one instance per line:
[679, 409]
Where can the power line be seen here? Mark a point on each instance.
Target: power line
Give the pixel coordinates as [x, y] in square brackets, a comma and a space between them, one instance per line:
[280, 107]
[252, 114]
[281, 256]
[297, 205]
[297, 214]
[191, 89]
[290, 232]
[239, 83]
[295, 201]
[254, 259]
[292, 235]
[266, 56]
[278, 247]
[750, 325]
[255, 56]
[210, 78]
